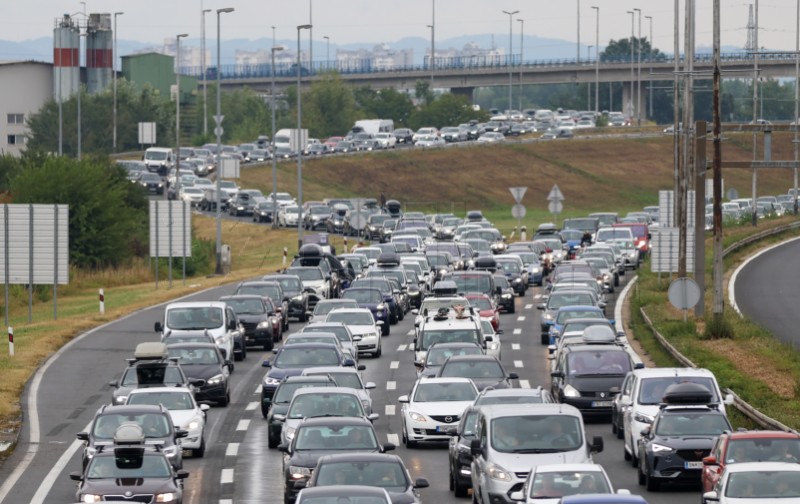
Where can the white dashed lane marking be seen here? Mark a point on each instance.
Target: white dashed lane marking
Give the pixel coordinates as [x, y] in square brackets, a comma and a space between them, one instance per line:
[411, 332]
[517, 331]
[243, 425]
[226, 501]
[390, 409]
[402, 348]
[515, 346]
[524, 384]
[258, 390]
[521, 319]
[518, 364]
[227, 476]
[251, 406]
[528, 306]
[232, 450]
[390, 385]
[394, 364]
[393, 438]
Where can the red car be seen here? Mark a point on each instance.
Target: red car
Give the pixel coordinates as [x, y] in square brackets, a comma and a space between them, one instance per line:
[749, 446]
[332, 141]
[641, 236]
[486, 307]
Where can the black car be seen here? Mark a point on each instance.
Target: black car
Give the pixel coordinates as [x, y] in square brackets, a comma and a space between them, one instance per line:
[271, 290]
[372, 231]
[404, 136]
[155, 421]
[459, 452]
[588, 376]
[274, 408]
[262, 212]
[671, 450]
[294, 293]
[344, 146]
[242, 204]
[293, 359]
[438, 353]
[129, 467]
[484, 371]
[260, 325]
[382, 470]
[312, 254]
[316, 217]
[316, 437]
[204, 361]
[316, 149]
[507, 295]
[152, 183]
[390, 297]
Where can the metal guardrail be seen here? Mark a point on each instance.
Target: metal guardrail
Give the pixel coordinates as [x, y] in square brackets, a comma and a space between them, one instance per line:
[745, 408]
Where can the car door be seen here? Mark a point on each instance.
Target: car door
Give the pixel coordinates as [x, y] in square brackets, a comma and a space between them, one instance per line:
[627, 412]
[712, 472]
[622, 401]
[234, 331]
[479, 461]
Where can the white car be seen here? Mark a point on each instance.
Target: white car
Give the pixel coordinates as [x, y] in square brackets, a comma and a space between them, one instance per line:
[546, 484]
[429, 141]
[491, 137]
[361, 323]
[491, 338]
[310, 402]
[283, 199]
[191, 195]
[185, 412]
[387, 140]
[425, 132]
[756, 482]
[432, 410]
[288, 216]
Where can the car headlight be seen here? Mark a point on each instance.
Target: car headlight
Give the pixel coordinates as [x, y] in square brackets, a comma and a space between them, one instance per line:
[516, 280]
[659, 448]
[570, 391]
[298, 298]
[91, 498]
[264, 324]
[90, 451]
[290, 432]
[165, 497]
[535, 269]
[214, 380]
[642, 418]
[548, 316]
[194, 424]
[492, 345]
[268, 380]
[220, 340]
[417, 417]
[496, 472]
[121, 399]
[170, 452]
[298, 472]
[506, 296]
[442, 272]
[381, 307]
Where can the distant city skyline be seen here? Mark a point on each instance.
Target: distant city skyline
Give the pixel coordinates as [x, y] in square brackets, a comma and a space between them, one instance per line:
[370, 22]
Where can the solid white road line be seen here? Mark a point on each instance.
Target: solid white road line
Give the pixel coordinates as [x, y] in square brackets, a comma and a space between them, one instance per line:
[391, 385]
[393, 438]
[232, 450]
[524, 384]
[517, 331]
[394, 364]
[518, 364]
[515, 346]
[243, 425]
[258, 390]
[732, 281]
[251, 406]
[390, 410]
[226, 476]
[521, 319]
[620, 302]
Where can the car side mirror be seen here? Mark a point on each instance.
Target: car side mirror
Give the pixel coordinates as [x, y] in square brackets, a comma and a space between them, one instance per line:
[729, 399]
[638, 365]
[181, 433]
[83, 436]
[348, 362]
[229, 365]
[158, 327]
[283, 447]
[373, 416]
[204, 407]
[710, 460]
[557, 374]
[488, 339]
[418, 364]
[357, 338]
[499, 291]
[645, 432]
[551, 349]
[266, 364]
[113, 383]
[388, 447]
[513, 376]
[370, 385]
[421, 483]
[614, 390]
[403, 399]
[541, 306]
[76, 476]
[475, 447]
[710, 496]
[182, 474]
[517, 496]
[597, 444]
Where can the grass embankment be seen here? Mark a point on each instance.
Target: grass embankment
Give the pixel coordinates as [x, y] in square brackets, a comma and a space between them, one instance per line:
[594, 175]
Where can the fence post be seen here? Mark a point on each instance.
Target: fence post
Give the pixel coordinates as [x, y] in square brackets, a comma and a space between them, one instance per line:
[102, 298]
[285, 251]
[10, 341]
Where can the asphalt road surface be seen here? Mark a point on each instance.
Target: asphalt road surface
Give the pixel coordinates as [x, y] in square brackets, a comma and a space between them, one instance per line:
[238, 467]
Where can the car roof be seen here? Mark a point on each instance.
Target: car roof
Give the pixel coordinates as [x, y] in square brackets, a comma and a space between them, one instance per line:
[603, 499]
[584, 467]
[305, 379]
[191, 345]
[511, 410]
[319, 370]
[160, 390]
[762, 466]
[326, 391]
[442, 379]
[197, 304]
[349, 490]
[458, 344]
[661, 372]
[129, 408]
[760, 434]
[512, 392]
[360, 457]
[334, 421]
[350, 310]
[481, 357]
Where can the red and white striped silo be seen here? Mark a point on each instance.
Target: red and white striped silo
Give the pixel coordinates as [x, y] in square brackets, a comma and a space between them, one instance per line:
[66, 58]
[99, 53]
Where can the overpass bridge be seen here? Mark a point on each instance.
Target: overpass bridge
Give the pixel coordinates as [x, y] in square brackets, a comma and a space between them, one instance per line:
[463, 74]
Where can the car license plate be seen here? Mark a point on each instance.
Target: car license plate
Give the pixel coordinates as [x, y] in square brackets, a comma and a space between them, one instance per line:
[693, 465]
[601, 404]
[444, 429]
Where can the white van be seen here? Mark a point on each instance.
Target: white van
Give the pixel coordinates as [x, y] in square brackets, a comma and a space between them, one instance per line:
[639, 400]
[613, 233]
[159, 159]
[214, 317]
[510, 439]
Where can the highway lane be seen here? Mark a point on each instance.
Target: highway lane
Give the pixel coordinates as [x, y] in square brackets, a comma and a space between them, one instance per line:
[238, 466]
[765, 289]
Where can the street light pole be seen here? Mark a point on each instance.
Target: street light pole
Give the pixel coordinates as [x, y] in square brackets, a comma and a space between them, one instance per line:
[578, 48]
[80, 88]
[274, 160]
[327, 50]
[114, 69]
[299, 147]
[639, 72]
[597, 63]
[796, 98]
[218, 133]
[589, 85]
[521, 42]
[510, 58]
[650, 77]
[433, 40]
[631, 107]
[203, 65]
[178, 113]
[310, 39]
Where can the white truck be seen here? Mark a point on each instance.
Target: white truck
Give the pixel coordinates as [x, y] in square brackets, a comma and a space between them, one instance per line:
[215, 318]
[288, 139]
[159, 159]
[374, 126]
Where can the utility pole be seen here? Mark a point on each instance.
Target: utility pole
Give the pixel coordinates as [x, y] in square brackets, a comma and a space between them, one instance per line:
[578, 47]
[639, 72]
[521, 40]
[650, 59]
[755, 110]
[509, 60]
[796, 98]
[718, 305]
[676, 108]
[597, 64]
[632, 92]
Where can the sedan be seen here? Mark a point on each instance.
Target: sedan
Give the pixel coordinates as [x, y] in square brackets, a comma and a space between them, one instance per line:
[185, 412]
[756, 482]
[546, 484]
[343, 493]
[491, 137]
[433, 408]
[361, 323]
[429, 141]
[404, 136]
[152, 183]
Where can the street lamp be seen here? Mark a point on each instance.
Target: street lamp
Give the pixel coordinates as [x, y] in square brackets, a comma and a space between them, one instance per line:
[327, 50]
[80, 88]
[597, 63]
[203, 65]
[510, 56]
[274, 160]
[521, 41]
[650, 78]
[630, 107]
[218, 132]
[589, 86]
[299, 147]
[178, 114]
[639, 72]
[114, 69]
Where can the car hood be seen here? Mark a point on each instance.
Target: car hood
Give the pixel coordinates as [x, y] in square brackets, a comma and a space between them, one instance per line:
[182, 417]
[204, 371]
[217, 331]
[254, 319]
[363, 329]
[482, 383]
[281, 373]
[522, 462]
[120, 485]
[309, 458]
[453, 408]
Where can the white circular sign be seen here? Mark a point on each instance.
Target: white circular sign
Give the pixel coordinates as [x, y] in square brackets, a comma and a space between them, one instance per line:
[555, 207]
[218, 131]
[683, 293]
[518, 211]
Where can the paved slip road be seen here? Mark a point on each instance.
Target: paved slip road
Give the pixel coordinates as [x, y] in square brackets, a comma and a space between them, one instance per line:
[238, 466]
[765, 290]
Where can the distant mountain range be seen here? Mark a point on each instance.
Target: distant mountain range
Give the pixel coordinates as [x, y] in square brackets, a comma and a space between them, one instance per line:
[41, 49]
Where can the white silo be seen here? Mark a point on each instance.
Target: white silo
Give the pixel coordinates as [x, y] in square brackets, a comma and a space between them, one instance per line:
[99, 52]
[66, 58]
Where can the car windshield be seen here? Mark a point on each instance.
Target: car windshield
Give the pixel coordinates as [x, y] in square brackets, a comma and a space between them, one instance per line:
[437, 356]
[438, 260]
[762, 485]
[271, 291]
[536, 433]
[252, 306]
[338, 329]
[652, 389]
[502, 282]
[580, 326]
[325, 404]
[559, 299]
[339, 438]
[484, 369]
[565, 315]
[293, 357]
[324, 307]
[472, 283]
[168, 375]
[510, 266]
[688, 423]
[202, 356]
[763, 449]
[349, 380]
[129, 467]
[581, 224]
[363, 296]
[196, 318]
[444, 392]
[310, 338]
[390, 475]
[285, 391]
[154, 425]
[289, 284]
[350, 318]
[509, 399]
[178, 400]
[563, 483]
[571, 234]
[308, 274]
[598, 363]
[481, 303]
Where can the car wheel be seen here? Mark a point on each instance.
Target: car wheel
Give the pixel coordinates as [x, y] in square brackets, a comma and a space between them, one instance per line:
[460, 490]
[625, 453]
[651, 484]
[634, 460]
[475, 496]
[614, 428]
[238, 356]
[641, 477]
[385, 329]
[269, 345]
[200, 452]
[225, 400]
[513, 308]
[620, 432]
[545, 339]
[264, 413]
[378, 352]
[452, 480]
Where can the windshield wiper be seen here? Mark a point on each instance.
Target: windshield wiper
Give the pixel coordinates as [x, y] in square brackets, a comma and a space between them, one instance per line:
[538, 450]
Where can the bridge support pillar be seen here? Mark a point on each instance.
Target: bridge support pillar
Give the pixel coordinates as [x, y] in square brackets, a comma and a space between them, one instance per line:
[629, 108]
[469, 92]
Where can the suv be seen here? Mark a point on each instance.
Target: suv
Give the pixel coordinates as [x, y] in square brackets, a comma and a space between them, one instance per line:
[295, 294]
[682, 434]
[214, 317]
[638, 401]
[271, 290]
[748, 446]
[150, 366]
[447, 326]
[511, 439]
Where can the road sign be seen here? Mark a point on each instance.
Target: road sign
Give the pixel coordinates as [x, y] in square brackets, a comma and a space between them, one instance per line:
[555, 207]
[518, 211]
[732, 194]
[218, 119]
[683, 293]
[555, 194]
[218, 131]
[518, 193]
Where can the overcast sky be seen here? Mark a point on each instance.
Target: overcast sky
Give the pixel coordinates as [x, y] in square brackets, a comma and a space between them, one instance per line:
[373, 21]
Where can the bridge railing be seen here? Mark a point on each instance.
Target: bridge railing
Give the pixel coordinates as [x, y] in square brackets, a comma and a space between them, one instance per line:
[442, 64]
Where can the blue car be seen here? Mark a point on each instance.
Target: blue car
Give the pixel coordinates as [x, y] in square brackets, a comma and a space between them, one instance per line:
[572, 239]
[368, 297]
[566, 313]
[603, 499]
